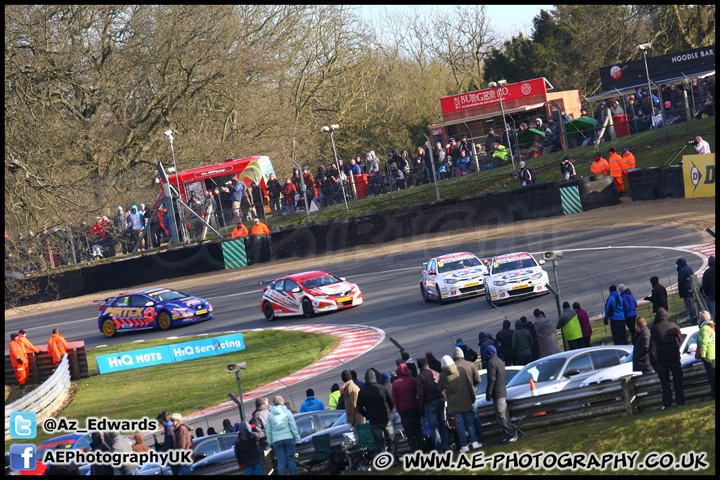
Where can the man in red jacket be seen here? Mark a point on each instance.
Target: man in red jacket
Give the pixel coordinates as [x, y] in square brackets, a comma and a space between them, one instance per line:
[404, 394]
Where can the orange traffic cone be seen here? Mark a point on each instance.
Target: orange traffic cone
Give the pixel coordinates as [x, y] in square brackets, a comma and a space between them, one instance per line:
[533, 388]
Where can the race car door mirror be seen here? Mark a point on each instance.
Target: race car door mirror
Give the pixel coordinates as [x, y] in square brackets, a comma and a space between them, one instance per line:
[572, 372]
[342, 278]
[541, 262]
[692, 348]
[150, 304]
[296, 290]
[431, 272]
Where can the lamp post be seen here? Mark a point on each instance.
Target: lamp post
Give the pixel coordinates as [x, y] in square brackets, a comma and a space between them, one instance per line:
[644, 48]
[169, 135]
[330, 130]
[499, 84]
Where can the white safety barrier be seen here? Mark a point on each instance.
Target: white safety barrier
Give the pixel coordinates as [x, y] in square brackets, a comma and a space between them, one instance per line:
[45, 399]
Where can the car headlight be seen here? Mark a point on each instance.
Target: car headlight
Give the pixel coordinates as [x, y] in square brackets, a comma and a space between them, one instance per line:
[450, 281]
[537, 275]
[499, 283]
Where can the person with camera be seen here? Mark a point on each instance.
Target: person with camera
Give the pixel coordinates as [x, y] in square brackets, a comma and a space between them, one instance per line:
[701, 146]
[525, 174]
[567, 169]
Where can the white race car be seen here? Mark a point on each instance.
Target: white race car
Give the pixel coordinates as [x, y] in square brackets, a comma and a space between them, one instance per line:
[456, 275]
[515, 275]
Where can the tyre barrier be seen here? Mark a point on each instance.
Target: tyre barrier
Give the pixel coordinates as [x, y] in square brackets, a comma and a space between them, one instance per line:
[655, 183]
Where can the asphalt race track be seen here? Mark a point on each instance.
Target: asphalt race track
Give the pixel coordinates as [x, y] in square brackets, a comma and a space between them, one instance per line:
[390, 286]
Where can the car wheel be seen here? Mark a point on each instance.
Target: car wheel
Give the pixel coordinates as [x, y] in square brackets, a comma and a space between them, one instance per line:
[307, 308]
[487, 296]
[164, 321]
[269, 312]
[108, 328]
[440, 300]
[422, 292]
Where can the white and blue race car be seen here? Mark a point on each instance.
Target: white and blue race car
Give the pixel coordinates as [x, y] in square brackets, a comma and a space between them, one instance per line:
[452, 276]
[515, 275]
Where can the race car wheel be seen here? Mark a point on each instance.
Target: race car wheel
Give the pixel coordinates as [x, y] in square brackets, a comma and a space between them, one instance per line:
[269, 312]
[108, 328]
[422, 292]
[440, 300]
[164, 321]
[307, 308]
[487, 296]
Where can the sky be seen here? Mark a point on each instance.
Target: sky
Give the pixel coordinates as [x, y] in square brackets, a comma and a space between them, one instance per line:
[508, 20]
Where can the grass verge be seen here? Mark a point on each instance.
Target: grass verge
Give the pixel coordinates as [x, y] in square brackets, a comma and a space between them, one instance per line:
[132, 394]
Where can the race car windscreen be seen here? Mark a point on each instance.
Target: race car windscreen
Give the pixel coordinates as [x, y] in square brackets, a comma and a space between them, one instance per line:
[517, 264]
[169, 296]
[316, 282]
[458, 264]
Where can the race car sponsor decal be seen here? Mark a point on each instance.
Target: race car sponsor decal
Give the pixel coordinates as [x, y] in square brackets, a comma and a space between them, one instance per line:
[455, 256]
[159, 292]
[335, 289]
[149, 314]
[281, 299]
[467, 271]
[124, 312]
[516, 273]
[512, 258]
[192, 302]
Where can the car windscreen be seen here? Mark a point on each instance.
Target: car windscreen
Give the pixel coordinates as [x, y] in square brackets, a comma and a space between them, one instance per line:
[526, 262]
[316, 282]
[538, 371]
[169, 296]
[458, 264]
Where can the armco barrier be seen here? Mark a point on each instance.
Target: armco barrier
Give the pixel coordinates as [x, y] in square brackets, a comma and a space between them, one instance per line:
[619, 398]
[45, 399]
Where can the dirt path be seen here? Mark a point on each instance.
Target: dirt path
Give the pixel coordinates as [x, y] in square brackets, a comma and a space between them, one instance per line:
[695, 214]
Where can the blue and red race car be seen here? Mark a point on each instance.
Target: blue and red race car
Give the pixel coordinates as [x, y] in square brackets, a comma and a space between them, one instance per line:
[160, 308]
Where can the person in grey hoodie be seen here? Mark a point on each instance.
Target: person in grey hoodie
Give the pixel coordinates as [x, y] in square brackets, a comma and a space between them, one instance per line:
[282, 434]
[546, 334]
[121, 444]
[460, 399]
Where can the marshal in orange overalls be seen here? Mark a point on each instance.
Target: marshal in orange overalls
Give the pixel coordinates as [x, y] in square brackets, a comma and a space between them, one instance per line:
[616, 170]
[19, 360]
[57, 347]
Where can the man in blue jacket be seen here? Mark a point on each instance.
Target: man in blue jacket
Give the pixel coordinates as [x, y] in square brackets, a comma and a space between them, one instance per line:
[236, 193]
[630, 309]
[615, 311]
[685, 274]
[312, 404]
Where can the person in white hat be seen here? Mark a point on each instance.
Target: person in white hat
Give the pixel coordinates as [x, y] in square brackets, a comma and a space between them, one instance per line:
[183, 440]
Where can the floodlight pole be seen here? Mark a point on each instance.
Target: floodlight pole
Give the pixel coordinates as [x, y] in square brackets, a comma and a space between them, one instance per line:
[242, 410]
[331, 129]
[432, 166]
[502, 109]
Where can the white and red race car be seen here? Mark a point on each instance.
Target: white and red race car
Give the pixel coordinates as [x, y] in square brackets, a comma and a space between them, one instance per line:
[308, 293]
[452, 276]
[515, 275]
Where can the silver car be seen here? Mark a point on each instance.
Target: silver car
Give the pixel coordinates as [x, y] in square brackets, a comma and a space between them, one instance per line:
[688, 345]
[563, 371]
